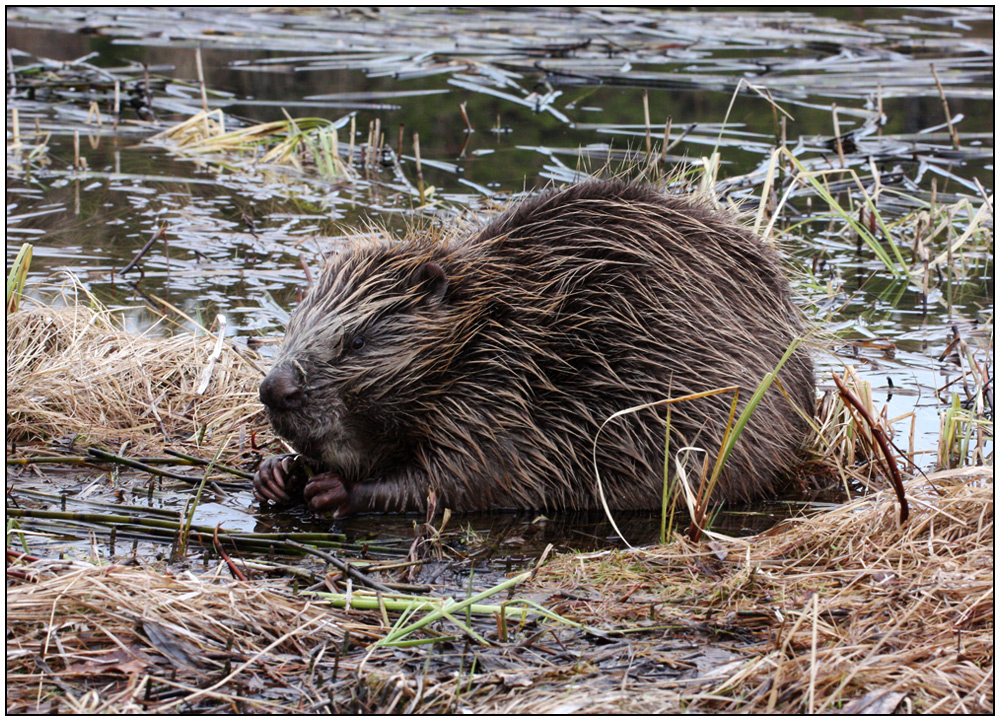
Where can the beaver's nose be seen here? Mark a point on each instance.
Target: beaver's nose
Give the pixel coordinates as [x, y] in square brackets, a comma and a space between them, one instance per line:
[281, 389]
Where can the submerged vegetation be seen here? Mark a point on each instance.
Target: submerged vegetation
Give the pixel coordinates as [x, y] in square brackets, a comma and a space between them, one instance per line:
[138, 581]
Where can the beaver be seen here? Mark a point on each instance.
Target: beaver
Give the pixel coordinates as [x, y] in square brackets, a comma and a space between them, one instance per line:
[481, 367]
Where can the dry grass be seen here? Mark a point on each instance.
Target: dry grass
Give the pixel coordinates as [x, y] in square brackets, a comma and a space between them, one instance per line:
[844, 611]
[840, 605]
[75, 372]
[835, 612]
[136, 640]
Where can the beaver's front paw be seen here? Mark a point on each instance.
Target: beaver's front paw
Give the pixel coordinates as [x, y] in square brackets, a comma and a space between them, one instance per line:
[329, 492]
[274, 479]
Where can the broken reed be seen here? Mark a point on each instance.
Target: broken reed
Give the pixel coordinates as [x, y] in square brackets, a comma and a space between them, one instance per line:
[293, 141]
[17, 276]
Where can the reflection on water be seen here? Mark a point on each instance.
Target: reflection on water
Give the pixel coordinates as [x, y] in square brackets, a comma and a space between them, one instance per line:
[528, 533]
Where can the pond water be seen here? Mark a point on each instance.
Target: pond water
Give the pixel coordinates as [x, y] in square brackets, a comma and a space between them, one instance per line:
[505, 102]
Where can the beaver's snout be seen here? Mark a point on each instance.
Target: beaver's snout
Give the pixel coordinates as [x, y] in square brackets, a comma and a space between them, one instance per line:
[281, 390]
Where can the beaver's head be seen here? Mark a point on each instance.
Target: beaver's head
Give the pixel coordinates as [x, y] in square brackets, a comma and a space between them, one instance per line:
[362, 357]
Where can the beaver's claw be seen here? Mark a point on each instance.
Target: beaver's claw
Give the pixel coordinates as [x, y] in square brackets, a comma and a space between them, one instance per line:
[271, 481]
[328, 492]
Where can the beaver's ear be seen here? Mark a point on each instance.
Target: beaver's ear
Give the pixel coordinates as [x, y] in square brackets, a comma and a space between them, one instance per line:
[429, 282]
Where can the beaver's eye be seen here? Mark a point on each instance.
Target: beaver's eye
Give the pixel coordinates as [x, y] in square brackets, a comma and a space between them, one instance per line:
[358, 342]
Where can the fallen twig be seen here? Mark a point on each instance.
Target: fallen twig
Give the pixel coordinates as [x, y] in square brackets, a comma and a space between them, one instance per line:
[890, 461]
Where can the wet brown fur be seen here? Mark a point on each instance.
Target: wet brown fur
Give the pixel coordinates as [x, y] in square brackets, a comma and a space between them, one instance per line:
[488, 384]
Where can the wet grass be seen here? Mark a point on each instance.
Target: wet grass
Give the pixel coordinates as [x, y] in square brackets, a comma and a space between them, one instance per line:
[817, 616]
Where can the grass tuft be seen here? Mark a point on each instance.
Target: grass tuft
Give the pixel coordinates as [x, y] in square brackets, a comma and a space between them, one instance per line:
[76, 372]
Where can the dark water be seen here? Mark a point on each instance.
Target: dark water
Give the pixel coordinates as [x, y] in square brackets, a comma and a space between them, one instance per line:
[546, 92]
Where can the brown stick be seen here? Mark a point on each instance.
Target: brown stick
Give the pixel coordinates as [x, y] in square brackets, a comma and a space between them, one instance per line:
[225, 556]
[645, 110]
[420, 172]
[465, 117]
[836, 136]
[666, 136]
[890, 461]
[149, 244]
[342, 566]
[944, 104]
